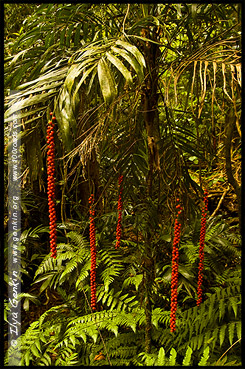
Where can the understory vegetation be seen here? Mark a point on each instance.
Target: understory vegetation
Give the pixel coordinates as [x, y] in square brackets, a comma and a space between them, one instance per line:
[143, 104]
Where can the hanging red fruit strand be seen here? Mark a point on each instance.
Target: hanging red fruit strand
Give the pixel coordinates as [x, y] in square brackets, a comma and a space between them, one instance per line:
[92, 253]
[201, 247]
[119, 208]
[51, 186]
[174, 275]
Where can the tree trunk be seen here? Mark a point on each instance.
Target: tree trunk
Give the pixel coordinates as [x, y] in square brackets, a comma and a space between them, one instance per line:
[230, 124]
[151, 119]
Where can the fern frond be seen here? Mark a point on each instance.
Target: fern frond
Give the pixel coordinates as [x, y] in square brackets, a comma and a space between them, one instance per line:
[187, 358]
[207, 324]
[205, 356]
[116, 300]
[48, 264]
[77, 239]
[135, 280]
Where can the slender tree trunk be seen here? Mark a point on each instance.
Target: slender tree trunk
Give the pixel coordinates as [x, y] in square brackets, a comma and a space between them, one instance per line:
[151, 120]
[230, 124]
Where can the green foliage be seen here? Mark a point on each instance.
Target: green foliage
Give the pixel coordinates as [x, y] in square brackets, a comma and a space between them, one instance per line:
[209, 325]
[142, 91]
[161, 359]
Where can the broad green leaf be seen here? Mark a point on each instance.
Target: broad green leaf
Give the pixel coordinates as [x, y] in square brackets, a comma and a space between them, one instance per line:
[43, 87]
[54, 75]
[46, 283]
[93, 49]
[62, 37]
[25, 114]
[107, 82]
[16, 57]
[85, 75]
[120, 66]
[14, 78]
[32, 100]
[26, 304]
[133, 50]
[91, 81]
[131, 60]
[65, 118]
[73, 72]
[68, 35]
[51, 39]
[77, 34]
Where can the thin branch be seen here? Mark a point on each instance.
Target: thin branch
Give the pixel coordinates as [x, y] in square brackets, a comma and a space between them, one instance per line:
[219, 203]
[125, 18]
[228, 350]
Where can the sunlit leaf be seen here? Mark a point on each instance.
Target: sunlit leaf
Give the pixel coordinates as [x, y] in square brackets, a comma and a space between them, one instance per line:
[120, 66]
[107, 82]
[133, 50]
[131, 60]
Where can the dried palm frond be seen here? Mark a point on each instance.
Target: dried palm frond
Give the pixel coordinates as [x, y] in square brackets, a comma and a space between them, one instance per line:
[222, 52]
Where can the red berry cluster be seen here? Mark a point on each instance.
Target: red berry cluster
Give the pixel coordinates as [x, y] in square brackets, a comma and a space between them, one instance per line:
[201, 248]
[119, 208]
[51, 186]
[92, 252]
[175, 262]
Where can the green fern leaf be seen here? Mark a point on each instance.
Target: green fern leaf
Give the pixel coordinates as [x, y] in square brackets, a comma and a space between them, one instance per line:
[161, 357]
[34, 350]
[231, 332]
[239, 330]
[221, 308]
[222, 334]
[27, 358]
[172, 358]
[200, 341]
[233, 303]
[73, 340]
[46, 359]
[215, 336]
[187, 358]
[205, 357]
